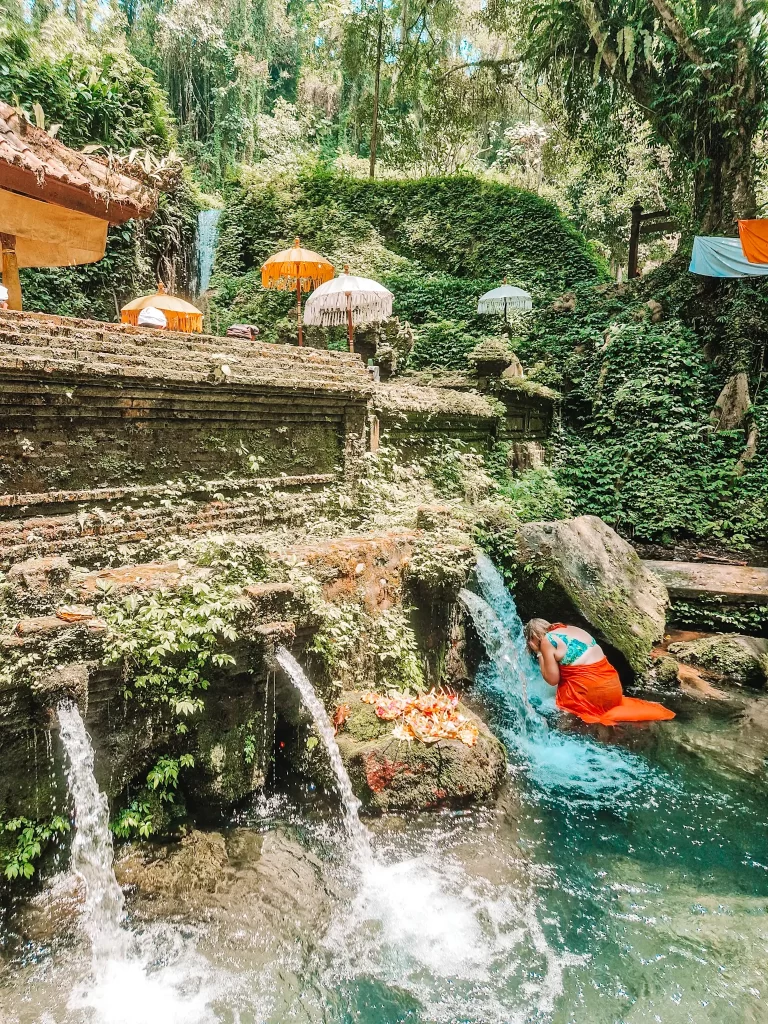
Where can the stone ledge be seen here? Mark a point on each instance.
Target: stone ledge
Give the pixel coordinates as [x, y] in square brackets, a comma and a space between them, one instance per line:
[145, 490]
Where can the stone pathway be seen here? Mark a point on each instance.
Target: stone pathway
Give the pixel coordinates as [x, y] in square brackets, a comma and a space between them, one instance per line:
[734, 583]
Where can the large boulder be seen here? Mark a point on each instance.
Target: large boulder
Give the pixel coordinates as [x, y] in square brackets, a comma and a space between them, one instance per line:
[743, 659]
[603, 578]
[390, 774]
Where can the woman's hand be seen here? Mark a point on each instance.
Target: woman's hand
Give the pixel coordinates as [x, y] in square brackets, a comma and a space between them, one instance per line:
[534, 644]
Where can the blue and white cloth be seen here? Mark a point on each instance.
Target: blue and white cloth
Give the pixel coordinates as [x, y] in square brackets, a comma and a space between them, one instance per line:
[723, 257]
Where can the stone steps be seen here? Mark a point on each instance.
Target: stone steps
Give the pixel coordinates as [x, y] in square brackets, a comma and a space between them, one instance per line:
[94, 335]
[17, 355]
[732, 584]
[82, 536]
[58, 346]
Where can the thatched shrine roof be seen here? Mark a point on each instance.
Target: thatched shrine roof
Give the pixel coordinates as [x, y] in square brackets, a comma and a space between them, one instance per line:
[34, 164]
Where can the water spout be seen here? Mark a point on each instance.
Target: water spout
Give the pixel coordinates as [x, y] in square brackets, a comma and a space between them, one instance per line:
[207, 233]
[357, 831]
[92, 851]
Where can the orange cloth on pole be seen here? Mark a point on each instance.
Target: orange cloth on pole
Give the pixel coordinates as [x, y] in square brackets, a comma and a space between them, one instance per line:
[754, 239]
[593, 692]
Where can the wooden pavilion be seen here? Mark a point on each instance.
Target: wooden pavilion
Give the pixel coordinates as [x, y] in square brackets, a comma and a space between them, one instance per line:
[55, 203]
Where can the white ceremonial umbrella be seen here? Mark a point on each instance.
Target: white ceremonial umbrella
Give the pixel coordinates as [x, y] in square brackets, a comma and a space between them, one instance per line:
[356, 300]
[499, 300]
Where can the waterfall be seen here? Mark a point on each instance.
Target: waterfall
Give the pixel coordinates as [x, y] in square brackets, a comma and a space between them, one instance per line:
[519, 697]
[92, 851]
[153, 977]
[357, 831]
[207, 231]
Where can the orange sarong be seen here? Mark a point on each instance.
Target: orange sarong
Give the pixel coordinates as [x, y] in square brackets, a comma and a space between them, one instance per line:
[754, 239]
[593, 692]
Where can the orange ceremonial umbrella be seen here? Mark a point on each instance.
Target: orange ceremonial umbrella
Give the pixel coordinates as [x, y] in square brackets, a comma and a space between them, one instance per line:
[181, 315]
[296, 268]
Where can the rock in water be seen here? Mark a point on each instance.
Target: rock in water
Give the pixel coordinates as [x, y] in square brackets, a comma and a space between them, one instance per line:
[743, 659]
[603, 578]
[390, 774]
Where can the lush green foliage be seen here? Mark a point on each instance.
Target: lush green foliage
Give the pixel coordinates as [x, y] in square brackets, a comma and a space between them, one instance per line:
[23, 841]
[720, 617]
[145, 815]
[638, 447]
[170, 643]
[437, 243]
[696, 71]
[94, 95]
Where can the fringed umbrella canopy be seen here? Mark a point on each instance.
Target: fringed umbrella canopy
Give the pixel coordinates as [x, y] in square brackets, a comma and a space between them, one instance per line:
[181, 315]
[296, 268]
[350, 299]
[499, 300]
[286, 268]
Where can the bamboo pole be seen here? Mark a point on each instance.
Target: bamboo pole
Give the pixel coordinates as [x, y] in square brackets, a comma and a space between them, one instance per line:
[350, 325]
[298, 304]
[10, 268]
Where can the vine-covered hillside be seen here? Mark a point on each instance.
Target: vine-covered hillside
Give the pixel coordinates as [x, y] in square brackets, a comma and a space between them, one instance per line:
[642, 367]
[437, 243]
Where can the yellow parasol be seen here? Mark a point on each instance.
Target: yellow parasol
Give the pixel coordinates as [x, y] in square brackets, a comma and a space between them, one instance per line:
[296, 268]
[181, 315]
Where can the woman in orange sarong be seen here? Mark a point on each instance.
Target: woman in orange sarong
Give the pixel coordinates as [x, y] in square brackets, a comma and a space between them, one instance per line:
[587, 684]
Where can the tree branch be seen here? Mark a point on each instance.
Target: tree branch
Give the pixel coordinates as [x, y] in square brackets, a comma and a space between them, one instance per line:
[675, 28]
[594, 23]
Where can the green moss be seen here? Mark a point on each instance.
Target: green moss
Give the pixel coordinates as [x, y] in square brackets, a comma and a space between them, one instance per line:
[363, 723]
[525, 386]
[741, 658]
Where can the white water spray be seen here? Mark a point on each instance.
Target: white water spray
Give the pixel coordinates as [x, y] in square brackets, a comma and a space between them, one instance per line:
[92, 851]
[357, 831]
[151, 979]
[511, 682]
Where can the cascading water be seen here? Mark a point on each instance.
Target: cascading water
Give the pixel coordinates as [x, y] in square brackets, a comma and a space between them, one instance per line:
[92, 852]
[357, 831]
[132, 979]
[207, 232]
[512, 684]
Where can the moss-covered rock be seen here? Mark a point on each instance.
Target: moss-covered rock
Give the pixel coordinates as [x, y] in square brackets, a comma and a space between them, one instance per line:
[390, 774]
[743, 659]
[602, 576]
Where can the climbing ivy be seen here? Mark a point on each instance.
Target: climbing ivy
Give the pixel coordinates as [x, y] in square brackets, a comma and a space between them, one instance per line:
[638, 447]
[169, 643]
[436, 243]
[23, 841]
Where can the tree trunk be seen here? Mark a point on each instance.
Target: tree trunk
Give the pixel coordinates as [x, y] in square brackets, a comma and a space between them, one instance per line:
[725, 188]
[376, 87]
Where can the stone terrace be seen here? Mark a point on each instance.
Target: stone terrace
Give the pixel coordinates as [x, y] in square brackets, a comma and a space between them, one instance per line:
[90, 406]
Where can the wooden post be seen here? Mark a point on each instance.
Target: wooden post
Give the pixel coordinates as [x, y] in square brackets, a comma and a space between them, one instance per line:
[350, 325]
[634, 239]
[298, 305]
[10, 267]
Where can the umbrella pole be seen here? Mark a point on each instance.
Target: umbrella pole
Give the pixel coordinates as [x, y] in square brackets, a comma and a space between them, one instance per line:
[350, 327]
[298, 306]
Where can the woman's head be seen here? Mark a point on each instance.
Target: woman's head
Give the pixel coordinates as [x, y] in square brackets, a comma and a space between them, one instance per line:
[534, 632]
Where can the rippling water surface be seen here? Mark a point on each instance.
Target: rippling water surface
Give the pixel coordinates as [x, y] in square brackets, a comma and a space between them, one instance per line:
[620, 877]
